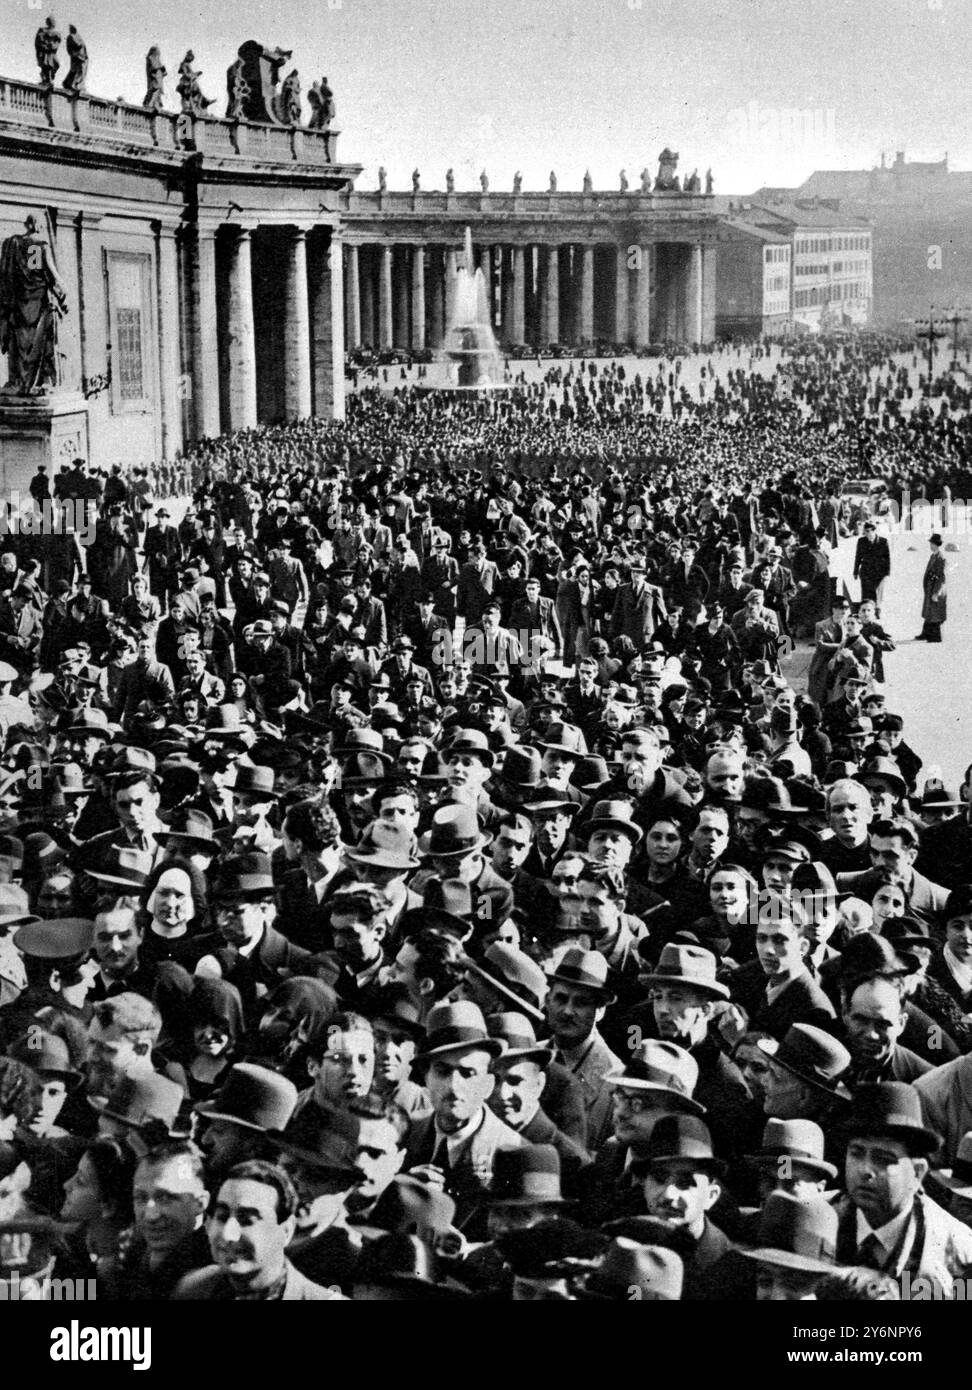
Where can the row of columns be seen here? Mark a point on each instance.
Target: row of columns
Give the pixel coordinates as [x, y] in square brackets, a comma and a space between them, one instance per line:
[312, 312]
[401, 294]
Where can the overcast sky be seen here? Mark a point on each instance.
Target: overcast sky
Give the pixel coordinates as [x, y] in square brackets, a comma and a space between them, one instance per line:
[761, 92]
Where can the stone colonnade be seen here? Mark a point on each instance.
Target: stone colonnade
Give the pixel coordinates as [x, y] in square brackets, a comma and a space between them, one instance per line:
[398, 294]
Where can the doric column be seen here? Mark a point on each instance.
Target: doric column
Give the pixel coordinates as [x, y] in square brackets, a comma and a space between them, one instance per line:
[642, 308]
[205, 352]
[170, 359]
[585, 327]
[369, 330]
[550, 298]
[437, 324]
[352, 300]
[517, 331]
[451, 271]
[506, 262]
[709, 262]
[622, 300]
[693, 295]
[418, 296]
[400, 279]
[241, 340]
[327, 328]
[385, 299]
[296, 367]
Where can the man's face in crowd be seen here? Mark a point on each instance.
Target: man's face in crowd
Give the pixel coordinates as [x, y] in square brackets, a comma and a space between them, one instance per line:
[681, 1013]
[639, 763]
[241, 923]
[754, 1065]
[598, 912]
[510, 848]
[893, 857]
[551, 831]
[347, 1068]
[780, 947]
[572, 1013]
[882, 1178]
[680, 1195]
[557, 766]
[394, 1052]
[785, 1095]
[116, 941]
[56, 897]
[467, 773]
[356, 941]
[725, 776]
[399, 811]
[225, 1145]
[610, 846]
[246, 1236]
[710, 838]
[113, 1054]
[587, 674]
[378, 1157]
[50, 1102]
[137, 806]
[874, 1019]
[459, 1085]
[168, 1200]
[778, 871]
[519, 1086]
[849, 814]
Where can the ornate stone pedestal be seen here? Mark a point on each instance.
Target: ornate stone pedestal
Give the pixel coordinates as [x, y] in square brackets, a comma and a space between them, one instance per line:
[40, 429]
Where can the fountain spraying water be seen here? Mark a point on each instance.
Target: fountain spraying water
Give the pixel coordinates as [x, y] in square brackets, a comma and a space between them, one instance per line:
[469, 345]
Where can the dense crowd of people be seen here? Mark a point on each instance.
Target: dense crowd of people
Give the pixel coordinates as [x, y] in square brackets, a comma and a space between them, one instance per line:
[419, 879]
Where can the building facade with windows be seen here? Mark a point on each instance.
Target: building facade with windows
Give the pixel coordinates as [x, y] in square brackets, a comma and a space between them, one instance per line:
[754, 282]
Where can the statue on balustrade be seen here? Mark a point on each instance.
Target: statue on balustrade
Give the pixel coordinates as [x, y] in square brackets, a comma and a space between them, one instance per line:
[624, 181]
[588, 182]
[708, 180]
[155, 75]
[517, 182]
[484, 181]
[416, 182]
[78, 53]
[288, 103]
[323, 109]
[553, 182]
[382, 179]
[667, 180]
[646, 180]
[693, 184]
[47, 41]
[193, 101]
[254, 77]
[32, 301]
[450, 181]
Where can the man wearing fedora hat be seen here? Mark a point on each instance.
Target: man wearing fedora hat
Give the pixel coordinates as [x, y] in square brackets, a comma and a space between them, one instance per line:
[805, 1077]
[454, 845]
[251, 1103]
[457, 1145]
[521, 1079]
[577, 1000]
[526, 1188]
[894, 849]
[681, 1181]
[887, 1222]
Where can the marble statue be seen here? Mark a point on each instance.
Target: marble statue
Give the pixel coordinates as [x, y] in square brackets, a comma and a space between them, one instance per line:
[517, 182]
[323, 109]
[77, 51]
[450, 181]
[624, 181]
[646, 180]
[47, 41]
[288, 102]
[708, 180]
[32, 300]
[667, 180]
[484, 181]
[588, 182]
[553, 182]
[155, 75]
[693, 184]
[193, 101]
[416, 182]
[382, 179]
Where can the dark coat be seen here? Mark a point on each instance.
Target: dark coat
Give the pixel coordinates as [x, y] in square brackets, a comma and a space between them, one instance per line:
[934, 609]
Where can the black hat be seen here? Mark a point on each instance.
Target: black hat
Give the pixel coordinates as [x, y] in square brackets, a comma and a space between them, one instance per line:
[891, 1108]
